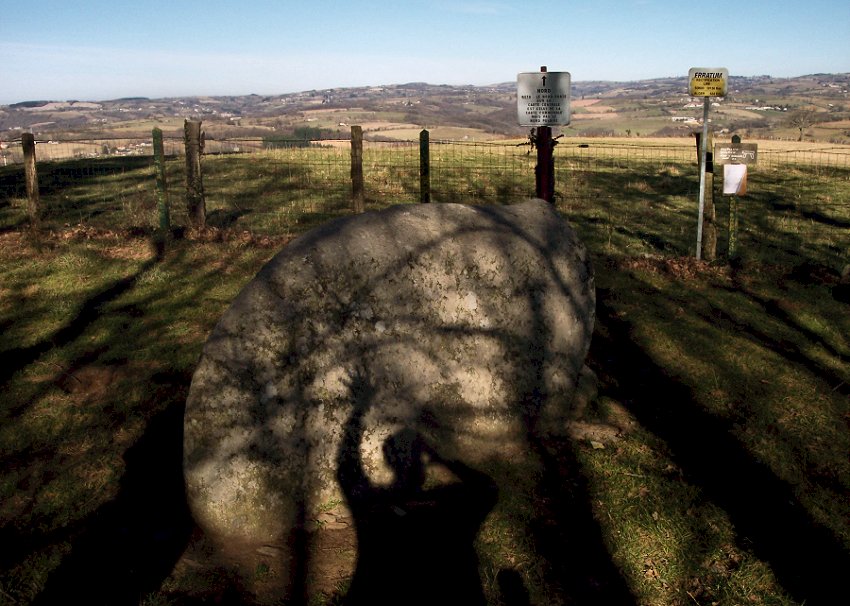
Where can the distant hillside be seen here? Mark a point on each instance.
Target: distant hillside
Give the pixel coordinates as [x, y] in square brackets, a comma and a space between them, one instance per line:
[756, 107]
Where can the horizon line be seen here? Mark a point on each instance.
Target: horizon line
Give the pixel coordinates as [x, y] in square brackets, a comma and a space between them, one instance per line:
[397, 84]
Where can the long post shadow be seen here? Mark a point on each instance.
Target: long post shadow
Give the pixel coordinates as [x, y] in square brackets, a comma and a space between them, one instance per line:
[126, 549]
[807, 559]
[566, 532]
[13, 360]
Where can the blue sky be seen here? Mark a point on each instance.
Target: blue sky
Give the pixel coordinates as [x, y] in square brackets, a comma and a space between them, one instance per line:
[95, 49]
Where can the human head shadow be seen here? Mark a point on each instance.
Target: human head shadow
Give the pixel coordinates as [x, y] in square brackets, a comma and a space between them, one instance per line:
[415, 543]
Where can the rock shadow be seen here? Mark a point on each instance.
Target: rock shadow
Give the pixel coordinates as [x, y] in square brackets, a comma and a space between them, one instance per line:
[125, 550]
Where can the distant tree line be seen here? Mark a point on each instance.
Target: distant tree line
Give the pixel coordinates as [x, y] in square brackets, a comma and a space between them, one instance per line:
[301, 136]
[28, 104]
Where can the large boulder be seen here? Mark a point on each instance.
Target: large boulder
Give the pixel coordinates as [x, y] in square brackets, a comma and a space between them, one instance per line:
[467, 326]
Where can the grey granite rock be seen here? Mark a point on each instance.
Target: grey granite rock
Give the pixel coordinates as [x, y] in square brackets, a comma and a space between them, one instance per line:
[468, 325]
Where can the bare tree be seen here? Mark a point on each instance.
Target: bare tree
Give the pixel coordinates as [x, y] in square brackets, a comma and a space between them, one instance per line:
[801, 120]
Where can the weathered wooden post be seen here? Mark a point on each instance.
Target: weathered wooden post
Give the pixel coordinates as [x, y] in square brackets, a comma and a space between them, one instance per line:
[357, 168]
[193, 139]
[544, 172]
[733, 227]
[31, 177]
[424, 167]
[732, 251]
[734, 158]
[161, 183]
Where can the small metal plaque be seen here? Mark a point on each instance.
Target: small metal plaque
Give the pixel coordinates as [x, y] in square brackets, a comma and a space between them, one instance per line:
[543, 98]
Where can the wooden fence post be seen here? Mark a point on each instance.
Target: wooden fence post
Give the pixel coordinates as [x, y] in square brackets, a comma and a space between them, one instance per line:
[424, 167]
[733, 227]
[161, 183]
[357, 168]
[31, 177]
[193, 139]
[545, 170]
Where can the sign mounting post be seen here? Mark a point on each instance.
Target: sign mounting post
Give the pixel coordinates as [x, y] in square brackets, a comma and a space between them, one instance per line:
[543, 101]
[705, 82]
[734, 157]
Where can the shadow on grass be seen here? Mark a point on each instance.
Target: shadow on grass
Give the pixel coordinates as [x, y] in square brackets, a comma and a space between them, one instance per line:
[54, 177]
[790, 350]
[125, 549]
[89, 190]
[14, 360]
[807, 558]
[565, 531]
[611, 211]
[571, 538]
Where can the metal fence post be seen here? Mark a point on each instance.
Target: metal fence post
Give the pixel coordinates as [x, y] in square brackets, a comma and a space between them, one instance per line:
[161, 183]
[709, 229]
[703, 151]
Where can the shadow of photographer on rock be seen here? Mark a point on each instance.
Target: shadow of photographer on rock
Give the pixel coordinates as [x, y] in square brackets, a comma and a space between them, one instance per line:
[415, 544]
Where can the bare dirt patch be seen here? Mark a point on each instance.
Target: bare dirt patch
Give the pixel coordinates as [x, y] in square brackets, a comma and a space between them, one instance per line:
[326, 553]
[682, 268]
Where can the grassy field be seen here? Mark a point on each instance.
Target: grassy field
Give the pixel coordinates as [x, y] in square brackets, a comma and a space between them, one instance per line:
[712, 468]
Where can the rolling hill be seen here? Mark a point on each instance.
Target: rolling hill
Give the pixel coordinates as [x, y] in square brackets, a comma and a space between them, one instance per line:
[756, 107]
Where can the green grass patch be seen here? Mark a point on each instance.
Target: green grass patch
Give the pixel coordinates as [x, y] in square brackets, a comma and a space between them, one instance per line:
[726, 480]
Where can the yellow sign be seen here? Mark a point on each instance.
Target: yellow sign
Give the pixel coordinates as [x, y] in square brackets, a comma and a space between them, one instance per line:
[708, 81]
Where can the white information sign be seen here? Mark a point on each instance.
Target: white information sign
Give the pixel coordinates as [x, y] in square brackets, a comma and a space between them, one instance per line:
[543, 98]
[734, 179]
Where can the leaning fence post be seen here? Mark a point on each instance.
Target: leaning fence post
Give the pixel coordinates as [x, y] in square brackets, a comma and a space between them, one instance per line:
[357, 168]
[424, 167]
[161, 183]
[193, 139]
[31, 177]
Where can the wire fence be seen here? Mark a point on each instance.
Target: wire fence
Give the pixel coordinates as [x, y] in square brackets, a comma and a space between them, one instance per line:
[631, 197]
